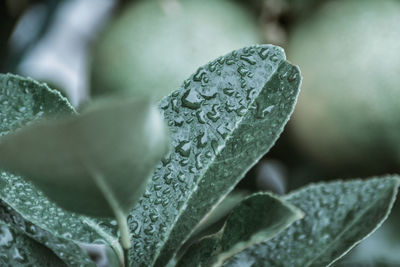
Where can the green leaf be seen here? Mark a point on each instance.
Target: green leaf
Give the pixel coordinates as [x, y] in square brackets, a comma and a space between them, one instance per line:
[258, 218]
[94, 163]
[338, 216]
[16, 249]
[220, 211]
[222, 120]
[23, 206]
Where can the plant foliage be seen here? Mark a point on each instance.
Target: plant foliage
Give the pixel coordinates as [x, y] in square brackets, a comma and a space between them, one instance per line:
[221, 121]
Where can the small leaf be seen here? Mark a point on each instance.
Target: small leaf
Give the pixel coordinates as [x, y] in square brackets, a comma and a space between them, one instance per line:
[16, 249]
[222, 120]
[86, 163]
[338, 216]
[23, 206]
[220, 211]
[258, 218]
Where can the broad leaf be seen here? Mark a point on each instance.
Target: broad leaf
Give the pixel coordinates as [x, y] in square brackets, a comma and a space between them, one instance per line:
[222, 121]
[338, 216]
[258, 218]
[23, 206]
[16, 249]
[96, 163]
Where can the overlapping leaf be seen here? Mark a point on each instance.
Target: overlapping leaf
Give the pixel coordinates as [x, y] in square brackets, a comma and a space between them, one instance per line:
[23, 206]
[338, 216]
[258, 218]
[96, 163]
[222, 120]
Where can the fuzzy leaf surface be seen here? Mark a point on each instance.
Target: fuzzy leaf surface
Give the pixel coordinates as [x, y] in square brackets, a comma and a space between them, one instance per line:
[258, 218]
[22, 205]
[222, 120]
[338, 216]
[16, 249]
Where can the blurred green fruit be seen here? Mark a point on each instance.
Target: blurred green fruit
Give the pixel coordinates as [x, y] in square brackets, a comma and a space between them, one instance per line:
[348, 114]
[153, 46]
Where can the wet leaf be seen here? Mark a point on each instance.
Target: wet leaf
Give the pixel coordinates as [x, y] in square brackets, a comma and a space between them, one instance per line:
[222, 120]
[338, 216]
[16, 249]
[24, 207]
[258, 218]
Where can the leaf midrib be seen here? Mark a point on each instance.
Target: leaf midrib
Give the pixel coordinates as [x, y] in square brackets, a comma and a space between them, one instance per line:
[211, 162]
[347, 228]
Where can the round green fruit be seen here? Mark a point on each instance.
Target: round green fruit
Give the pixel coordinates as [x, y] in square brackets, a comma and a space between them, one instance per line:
[153, 46]
[348, 113]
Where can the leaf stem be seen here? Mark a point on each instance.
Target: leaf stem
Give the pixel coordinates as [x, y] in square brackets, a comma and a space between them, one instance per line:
[118, 212]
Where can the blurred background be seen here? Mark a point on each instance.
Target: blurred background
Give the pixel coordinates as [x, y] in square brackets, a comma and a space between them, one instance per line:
[347, 120]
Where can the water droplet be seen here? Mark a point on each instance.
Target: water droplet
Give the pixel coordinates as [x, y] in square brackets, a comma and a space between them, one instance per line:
[199, 75]
[183, 148]
[229, 91]
[154, 217]
[167, 191]
[30, 228]
[201, 140]
[274, 58]
[181, 177]
[149, 230]
[230, 61]
[164, 103]
[157, 187]
[249, 59]
[191, 99]
[242, 71]
[201, 116]
[214, 113]
[251, 94]
[166, 160]
[264, 52]
[165, 202]
[174, 105]
[186, 83]
[178, 121]
[199, 163]
[209, 94]
[184, 162]
[212, 66]
[293, 76]
[229, 106]
[262, 111]
[241, 111]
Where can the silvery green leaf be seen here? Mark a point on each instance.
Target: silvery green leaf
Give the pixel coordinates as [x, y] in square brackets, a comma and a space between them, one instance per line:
[22, 205]
[222, 120]
[17, 249]
[258, 218]
[338, 216]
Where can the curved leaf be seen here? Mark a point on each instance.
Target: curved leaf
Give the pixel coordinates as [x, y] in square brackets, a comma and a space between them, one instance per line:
[338, 216]
[23, 206]
[222, 120]
[96, 163]
[258, 218]
[16, 249]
